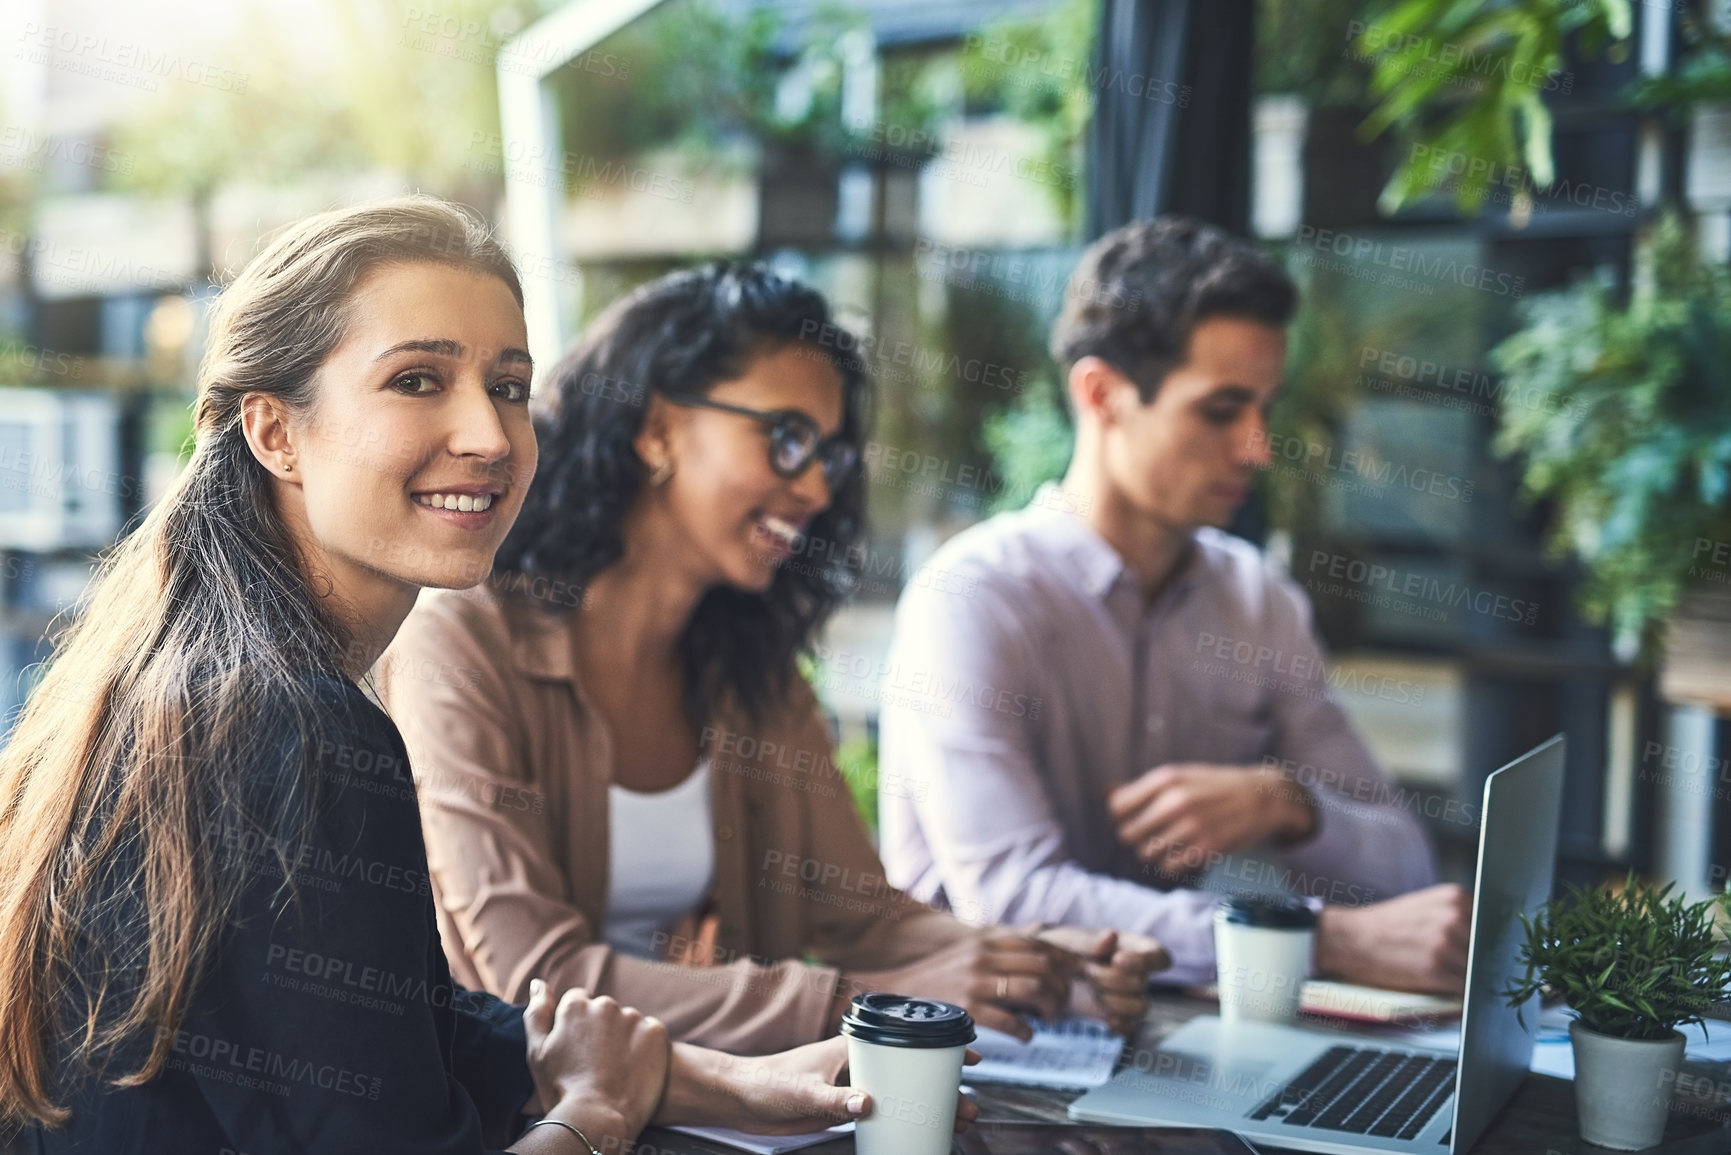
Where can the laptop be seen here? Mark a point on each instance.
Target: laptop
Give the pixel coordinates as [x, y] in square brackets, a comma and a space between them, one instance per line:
[1315, 1090]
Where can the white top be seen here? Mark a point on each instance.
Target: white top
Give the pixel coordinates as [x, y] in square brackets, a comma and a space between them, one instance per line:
[660, 861]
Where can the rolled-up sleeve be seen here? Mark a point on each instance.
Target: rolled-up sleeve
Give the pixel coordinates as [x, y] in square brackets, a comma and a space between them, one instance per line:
[973, 779]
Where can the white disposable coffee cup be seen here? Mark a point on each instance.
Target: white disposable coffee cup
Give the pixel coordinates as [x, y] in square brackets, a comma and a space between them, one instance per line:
[906, 1053]
[1262, 948]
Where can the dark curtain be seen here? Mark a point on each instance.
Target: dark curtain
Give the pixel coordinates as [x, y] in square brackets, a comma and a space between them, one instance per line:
[1171, 131]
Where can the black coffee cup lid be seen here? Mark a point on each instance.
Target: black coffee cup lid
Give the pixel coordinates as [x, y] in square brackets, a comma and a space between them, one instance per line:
[1272, 912]
[904, 1021]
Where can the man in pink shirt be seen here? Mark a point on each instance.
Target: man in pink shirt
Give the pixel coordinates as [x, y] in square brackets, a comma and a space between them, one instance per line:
[1109, 695]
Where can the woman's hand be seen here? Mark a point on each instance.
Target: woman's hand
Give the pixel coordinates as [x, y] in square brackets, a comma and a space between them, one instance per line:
[786, 1094]
[1114, 969]
[1001, 977]
[601, 1067]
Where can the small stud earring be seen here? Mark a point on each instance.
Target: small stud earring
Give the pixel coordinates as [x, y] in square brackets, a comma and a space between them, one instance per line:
[662, 473]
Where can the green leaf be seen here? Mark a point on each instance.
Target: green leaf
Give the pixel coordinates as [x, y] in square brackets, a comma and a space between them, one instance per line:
[1468, 77]
[1536, 125]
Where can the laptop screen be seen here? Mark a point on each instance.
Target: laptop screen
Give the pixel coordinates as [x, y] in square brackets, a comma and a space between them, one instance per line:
[1517, 854]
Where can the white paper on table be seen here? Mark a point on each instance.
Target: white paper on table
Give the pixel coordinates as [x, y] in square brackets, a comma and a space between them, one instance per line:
[1072, 1054]
[1710, 1046]
[766, 1144]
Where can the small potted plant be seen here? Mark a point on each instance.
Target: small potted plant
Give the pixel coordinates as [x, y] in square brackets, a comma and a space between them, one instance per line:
[1632, 964]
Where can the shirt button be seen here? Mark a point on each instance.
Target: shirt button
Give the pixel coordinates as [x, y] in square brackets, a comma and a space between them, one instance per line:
[724, 832]
[1155, 723]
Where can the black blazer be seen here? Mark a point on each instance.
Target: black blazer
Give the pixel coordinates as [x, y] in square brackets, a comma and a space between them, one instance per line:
[331, 1025]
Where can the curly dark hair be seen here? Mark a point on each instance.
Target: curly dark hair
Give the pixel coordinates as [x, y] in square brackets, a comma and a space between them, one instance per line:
[1141, 290]
[682, 335]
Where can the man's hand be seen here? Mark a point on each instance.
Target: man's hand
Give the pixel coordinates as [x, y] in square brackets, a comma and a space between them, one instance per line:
[1417, 942]
[1177, 816]
[1114, 969]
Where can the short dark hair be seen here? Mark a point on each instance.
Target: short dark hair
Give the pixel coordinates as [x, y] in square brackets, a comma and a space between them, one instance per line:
[682, 335]
[1141, 290]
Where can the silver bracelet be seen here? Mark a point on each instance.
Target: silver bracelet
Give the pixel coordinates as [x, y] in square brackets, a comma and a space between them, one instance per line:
[561, 1123]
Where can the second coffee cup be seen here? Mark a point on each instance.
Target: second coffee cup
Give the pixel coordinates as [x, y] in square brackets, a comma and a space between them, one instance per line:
[1262, 945]
[906, 1053]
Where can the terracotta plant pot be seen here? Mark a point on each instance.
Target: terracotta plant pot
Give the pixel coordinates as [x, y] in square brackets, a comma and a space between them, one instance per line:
[1623, 1087]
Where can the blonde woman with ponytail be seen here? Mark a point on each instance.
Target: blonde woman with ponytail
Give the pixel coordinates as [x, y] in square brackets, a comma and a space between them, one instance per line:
[216, 926]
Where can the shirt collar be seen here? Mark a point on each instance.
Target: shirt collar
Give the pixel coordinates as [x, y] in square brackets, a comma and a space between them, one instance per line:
[1100, 569]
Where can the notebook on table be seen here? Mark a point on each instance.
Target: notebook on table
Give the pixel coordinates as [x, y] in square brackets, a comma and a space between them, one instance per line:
[1361, 1004]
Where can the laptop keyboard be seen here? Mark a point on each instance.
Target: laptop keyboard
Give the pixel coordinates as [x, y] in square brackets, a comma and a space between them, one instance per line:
[1364, 1091]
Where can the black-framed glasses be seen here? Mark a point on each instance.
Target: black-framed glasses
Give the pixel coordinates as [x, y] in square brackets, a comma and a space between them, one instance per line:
[795, 441]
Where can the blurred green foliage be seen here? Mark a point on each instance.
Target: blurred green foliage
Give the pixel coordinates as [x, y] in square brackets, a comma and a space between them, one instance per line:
[1470, 77]
[1467, 76]
[388, 94]
[17, 193]
[1636, 453]
[1703, 70]
[688, 76]
[1049, 91]
[1305, 47]
[1322, 384]
[857, 759]
[1340, 318]
[1031, 441]
[1456, 76]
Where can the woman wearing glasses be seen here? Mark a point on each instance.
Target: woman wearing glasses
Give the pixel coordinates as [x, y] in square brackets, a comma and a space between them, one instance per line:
[621, 768]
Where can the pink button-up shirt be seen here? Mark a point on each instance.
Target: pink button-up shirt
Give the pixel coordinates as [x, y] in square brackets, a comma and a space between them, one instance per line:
[1028, 677]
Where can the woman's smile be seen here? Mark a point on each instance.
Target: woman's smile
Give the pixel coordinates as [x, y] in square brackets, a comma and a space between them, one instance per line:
[467, 506]
[782, 536]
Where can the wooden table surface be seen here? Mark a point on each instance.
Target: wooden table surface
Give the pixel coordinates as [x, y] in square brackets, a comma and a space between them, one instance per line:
[1539, 1120]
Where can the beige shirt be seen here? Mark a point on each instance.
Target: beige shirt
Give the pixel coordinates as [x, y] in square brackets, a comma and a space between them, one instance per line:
[512, 767]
